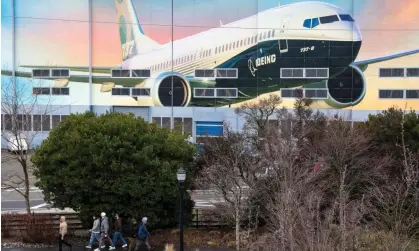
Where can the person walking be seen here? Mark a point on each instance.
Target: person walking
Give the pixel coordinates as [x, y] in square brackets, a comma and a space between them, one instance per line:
[131, 233]
[104, 233]
[63, 234]
[94, 232]
[142, 236]
[118, 232]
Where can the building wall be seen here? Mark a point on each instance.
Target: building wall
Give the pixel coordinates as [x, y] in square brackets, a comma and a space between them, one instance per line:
[88, 36]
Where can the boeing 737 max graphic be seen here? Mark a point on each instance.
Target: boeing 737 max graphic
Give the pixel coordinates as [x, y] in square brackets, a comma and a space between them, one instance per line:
[309, 44]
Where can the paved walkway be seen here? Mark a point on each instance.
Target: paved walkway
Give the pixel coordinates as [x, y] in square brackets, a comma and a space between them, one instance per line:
[105, 249]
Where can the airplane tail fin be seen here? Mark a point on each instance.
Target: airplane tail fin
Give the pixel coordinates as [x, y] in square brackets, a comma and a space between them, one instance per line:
[131, 35]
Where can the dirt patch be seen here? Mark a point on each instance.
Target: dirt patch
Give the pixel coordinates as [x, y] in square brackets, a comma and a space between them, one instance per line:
[195, 237]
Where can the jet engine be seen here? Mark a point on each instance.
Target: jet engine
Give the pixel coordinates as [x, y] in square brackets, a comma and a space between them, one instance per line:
[161, 89]
[347, 88]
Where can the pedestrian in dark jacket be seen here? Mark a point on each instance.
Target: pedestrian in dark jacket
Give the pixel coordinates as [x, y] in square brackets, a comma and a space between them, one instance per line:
[131, 233]
[118, 232]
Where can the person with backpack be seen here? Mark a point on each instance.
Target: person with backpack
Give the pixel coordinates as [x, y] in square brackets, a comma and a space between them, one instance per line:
[118, 232]
[142, 235]
[94, 232]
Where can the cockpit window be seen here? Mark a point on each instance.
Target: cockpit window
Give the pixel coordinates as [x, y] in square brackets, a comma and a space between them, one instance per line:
[307, 23]
[346, 17]
[329, 19]
[311, 22]
[315, 22]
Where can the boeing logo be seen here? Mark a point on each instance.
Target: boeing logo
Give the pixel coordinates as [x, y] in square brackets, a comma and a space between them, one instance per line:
[265, 60]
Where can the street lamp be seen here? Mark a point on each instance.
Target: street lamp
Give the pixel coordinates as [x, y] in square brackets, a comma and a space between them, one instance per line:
[181, 176]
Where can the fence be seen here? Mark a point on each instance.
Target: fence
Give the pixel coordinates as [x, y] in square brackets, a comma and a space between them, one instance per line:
[206, 218]
[18, 222]
[15, 223]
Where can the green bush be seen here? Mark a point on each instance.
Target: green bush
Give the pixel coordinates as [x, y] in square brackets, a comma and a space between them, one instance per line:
[114, 163]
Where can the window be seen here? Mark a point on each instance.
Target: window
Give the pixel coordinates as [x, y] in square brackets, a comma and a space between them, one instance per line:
[329, 19]
[60, 91]
[157, 120]
[60, 72]
[292, 93]
[216, 50]
[40, 73]
[307, 23]
[317, 73]
[46, 123]
[120, 91]
[314, 22]
[120, 73]
[7, 121]
[140, 92]
[37, 123]
[248, 40]
[226, 73]
[41, 91]
[177, 125]
[412, 94]
[27, 122]
[292, 73]
[209, 128]
[412, 72]
[273, 33]
[226, 92]
[166, 122]
[187, 126]
[316, 93]
[391, 72]
[56, 119]
[183, 125]
[241, 43]
[269, 34]
[346, 17]
[260, 36]
[204, 73]
[204, 93]
[142, 73]
[391, 94]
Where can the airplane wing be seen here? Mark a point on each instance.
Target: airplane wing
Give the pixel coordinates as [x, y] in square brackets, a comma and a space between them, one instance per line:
[106, 69]
[363, 64]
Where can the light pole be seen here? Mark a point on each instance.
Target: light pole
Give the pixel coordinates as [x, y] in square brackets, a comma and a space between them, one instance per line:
[181, 176]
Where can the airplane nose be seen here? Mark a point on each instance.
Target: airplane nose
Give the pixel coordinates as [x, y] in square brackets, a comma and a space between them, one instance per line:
[356, 33]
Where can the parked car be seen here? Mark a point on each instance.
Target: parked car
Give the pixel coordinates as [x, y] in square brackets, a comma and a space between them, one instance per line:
[16, 143]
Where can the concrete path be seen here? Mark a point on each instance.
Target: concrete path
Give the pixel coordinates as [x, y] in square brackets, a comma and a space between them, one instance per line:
[117, 249]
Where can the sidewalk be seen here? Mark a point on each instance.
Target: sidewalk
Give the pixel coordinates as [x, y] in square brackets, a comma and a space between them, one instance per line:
[117, 249]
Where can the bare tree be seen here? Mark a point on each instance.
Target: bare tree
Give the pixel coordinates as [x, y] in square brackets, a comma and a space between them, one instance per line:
[258, 114]
[229, 169]
[321, 171]
[18, 104]
[397, 201]
[351, 168]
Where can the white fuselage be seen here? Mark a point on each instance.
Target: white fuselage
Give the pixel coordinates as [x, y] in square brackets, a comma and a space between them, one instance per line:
[210, 48]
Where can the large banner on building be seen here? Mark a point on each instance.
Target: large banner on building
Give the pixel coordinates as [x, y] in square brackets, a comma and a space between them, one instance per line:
[346, 54]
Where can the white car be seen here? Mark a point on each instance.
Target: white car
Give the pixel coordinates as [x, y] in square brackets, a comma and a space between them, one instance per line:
[14, 144]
